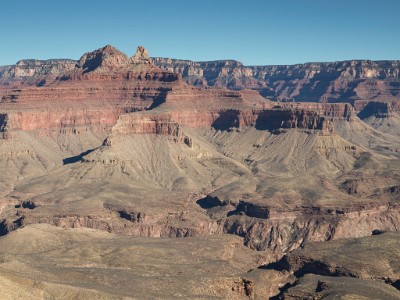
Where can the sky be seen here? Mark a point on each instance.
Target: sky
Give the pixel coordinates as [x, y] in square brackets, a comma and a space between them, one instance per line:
[255, 32]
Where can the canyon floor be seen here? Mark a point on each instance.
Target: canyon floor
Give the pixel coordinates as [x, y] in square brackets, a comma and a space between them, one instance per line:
[123, 181]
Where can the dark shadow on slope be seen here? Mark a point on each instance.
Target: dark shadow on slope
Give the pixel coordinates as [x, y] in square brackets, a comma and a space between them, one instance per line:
[396, 284]
[283, 290]
[316, 88]
[376, 109]
[3, 228]
[272, 120]
[29, 204]
[158, 100]
[41, 83]
[209, 202]
[76, 158]
[250, 210]
[280, 265]
[227, 120]
[7, 227]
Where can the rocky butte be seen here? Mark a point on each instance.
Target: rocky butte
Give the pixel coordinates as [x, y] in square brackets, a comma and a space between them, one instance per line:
[202, 180]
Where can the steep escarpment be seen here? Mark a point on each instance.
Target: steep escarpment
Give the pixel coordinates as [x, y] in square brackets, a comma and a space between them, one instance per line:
[148, 123]
[34, 72]
[284, 231]
[383, 116]
[312, 82]
[343, 81]
[89, 97]
[4, 125]
[42, 127]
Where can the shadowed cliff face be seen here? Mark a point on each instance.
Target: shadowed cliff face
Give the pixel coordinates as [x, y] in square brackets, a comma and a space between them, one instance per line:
[376, 109]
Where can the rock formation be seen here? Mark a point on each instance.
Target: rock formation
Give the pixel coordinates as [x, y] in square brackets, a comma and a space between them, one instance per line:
[345, 81]
[141, 56]
[117, 144]
[34, 72]
[343, 268]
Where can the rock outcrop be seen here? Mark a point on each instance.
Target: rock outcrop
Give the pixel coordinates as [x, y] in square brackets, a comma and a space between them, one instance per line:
[345, 81]
[141, 56]
[104, 84]
[209, 267]
[148, 123]
[105, 60]
[343, 268]
[34, 72]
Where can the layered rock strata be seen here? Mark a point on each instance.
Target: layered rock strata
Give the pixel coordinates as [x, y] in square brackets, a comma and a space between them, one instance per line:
[118, 144]
[312, 82]
[345, 81]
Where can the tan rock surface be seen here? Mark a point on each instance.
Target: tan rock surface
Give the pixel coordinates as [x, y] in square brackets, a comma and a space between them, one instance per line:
[363, 268]
[47, 261]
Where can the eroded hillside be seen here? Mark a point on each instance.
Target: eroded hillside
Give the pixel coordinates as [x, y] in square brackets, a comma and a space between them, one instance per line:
[120, 148]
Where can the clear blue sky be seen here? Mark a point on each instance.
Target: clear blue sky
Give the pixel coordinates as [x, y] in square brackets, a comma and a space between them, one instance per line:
[256, 32]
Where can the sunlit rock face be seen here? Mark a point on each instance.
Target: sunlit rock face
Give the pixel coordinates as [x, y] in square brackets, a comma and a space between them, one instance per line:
[345, 81]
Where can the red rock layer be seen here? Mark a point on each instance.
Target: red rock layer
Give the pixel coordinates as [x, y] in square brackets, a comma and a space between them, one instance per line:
[167, 121]
[149, 123]
[106, 84]
[84, 102]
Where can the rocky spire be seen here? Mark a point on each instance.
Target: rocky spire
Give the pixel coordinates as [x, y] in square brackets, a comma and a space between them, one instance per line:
[141, 56]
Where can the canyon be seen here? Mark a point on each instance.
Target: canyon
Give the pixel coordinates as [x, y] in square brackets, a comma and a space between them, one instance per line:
[198, 179]
[342, 81]
[350, 81]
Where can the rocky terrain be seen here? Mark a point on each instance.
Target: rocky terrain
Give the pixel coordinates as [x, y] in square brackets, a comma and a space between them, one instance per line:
[343, 81]
[126, 178]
